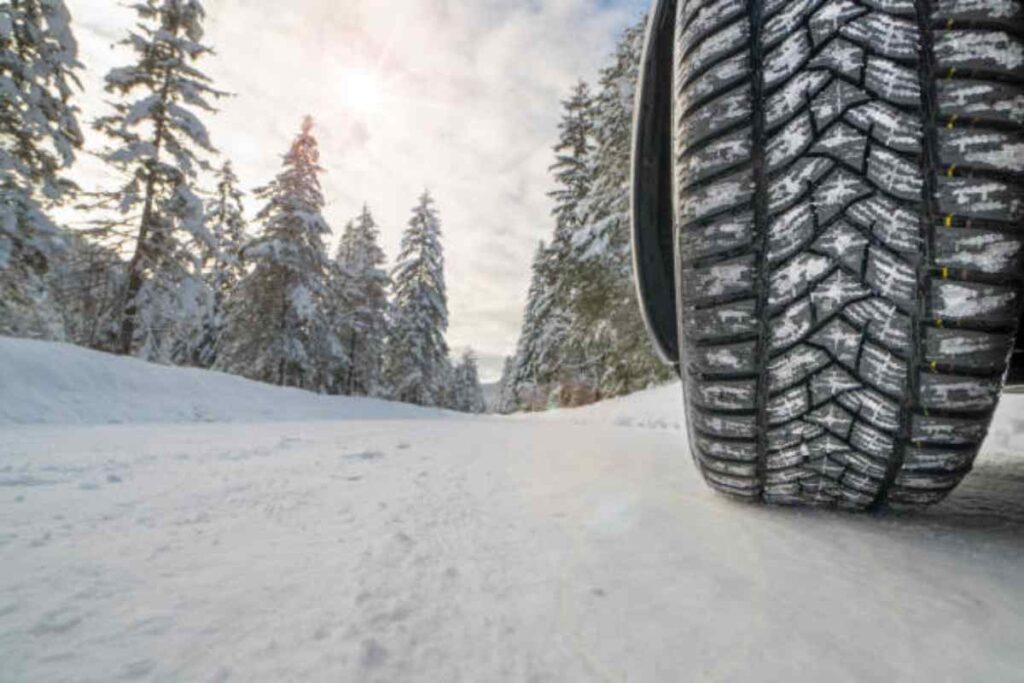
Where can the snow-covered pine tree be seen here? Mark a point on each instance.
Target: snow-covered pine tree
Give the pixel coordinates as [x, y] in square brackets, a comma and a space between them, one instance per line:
[606, 319]
[507, 399]
[467, 394]
[275, 330]
[223, 265]
[542, 329]
[87, 280]
[417, 360]
[39, 134]
[547, 357]
[365, 333]
[157, 143]
[562, 360]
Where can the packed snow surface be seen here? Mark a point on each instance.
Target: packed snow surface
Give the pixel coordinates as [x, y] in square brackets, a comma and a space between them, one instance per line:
[166, 524]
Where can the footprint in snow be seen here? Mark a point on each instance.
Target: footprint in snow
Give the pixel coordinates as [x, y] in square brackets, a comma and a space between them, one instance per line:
[365, 455]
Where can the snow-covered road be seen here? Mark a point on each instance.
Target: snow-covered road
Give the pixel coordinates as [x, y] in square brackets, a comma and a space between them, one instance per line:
[575, 546]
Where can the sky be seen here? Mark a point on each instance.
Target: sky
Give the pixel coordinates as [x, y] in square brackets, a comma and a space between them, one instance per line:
[461, 97]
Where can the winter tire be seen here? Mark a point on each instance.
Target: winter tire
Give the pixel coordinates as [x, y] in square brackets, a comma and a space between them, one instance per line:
[828, 204]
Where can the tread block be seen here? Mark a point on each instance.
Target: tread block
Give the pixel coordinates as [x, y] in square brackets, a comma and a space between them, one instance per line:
[952, 392]
[725, 234]
[792, 434]
[790, 231]
[795, 365]
[834, 100]
[884, 323]
[712, 49]
[726, 395]
[843, 143]
[720, 154]
[845, 244]
[989, 101]
[985, 50]
[883, 370]
[936, 460]
[968, 10]
[731, 358]
[714, 117]
[841, 340]
[790, 142]
[946, 431]
[985, 251]
[725, 320]
[721, 77]
[973, 301]
[892, 223]
[784, 61]
[877, 410]
[698, 20]
[841, 56]
[894, 174]
[797, 276]
[967, 348]
[725, 279]
[892, 278]
[836, 292]
[788, 405]
[981, 198]
[792, 324]
[833, 382]
[996, 150]
[888, 125]
[831, 17]
[727, 450]
[704, 202]
[892, 36]
[730, 468]
[893, 82]
[793, 96]
[725, 426]
[786, 187]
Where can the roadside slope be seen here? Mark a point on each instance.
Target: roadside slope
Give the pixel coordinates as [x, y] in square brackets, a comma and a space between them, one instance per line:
[61, 384]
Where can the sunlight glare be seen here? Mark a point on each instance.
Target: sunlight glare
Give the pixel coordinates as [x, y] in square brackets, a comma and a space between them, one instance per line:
[361, 92]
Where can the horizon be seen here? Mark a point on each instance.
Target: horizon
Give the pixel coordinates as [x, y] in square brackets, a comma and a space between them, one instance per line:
[450, 97]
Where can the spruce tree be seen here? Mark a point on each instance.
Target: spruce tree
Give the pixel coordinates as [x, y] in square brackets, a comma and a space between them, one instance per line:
[467, 394]
[508, 399]
[39, 134]
[223, 266]
[562, 359]
[275, 330]
[361, 259]
[418, 366]
[542, 331]
[606, 320]
[157, 143]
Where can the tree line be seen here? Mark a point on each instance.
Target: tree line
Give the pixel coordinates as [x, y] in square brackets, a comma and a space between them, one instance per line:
[582, 335]
[170, 272]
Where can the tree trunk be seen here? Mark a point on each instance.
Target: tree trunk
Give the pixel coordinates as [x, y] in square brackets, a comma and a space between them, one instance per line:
[142, 245]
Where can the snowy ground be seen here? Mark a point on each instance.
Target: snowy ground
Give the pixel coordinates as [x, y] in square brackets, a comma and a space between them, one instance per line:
[306, 538]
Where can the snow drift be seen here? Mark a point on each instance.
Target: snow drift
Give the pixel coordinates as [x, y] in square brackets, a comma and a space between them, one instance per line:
[52, 383]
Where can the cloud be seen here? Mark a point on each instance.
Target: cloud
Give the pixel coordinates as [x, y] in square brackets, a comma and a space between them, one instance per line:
[470, 93]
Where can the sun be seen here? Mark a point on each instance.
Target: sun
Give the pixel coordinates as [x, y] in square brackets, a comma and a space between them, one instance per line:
[361, 91]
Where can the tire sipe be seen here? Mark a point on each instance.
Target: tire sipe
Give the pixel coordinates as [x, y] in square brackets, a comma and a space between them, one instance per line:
[828, 205]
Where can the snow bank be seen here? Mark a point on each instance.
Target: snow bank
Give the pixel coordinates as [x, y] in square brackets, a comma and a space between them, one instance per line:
[51, 383]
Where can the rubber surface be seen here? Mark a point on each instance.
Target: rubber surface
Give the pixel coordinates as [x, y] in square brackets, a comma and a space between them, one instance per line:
[849, 208]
